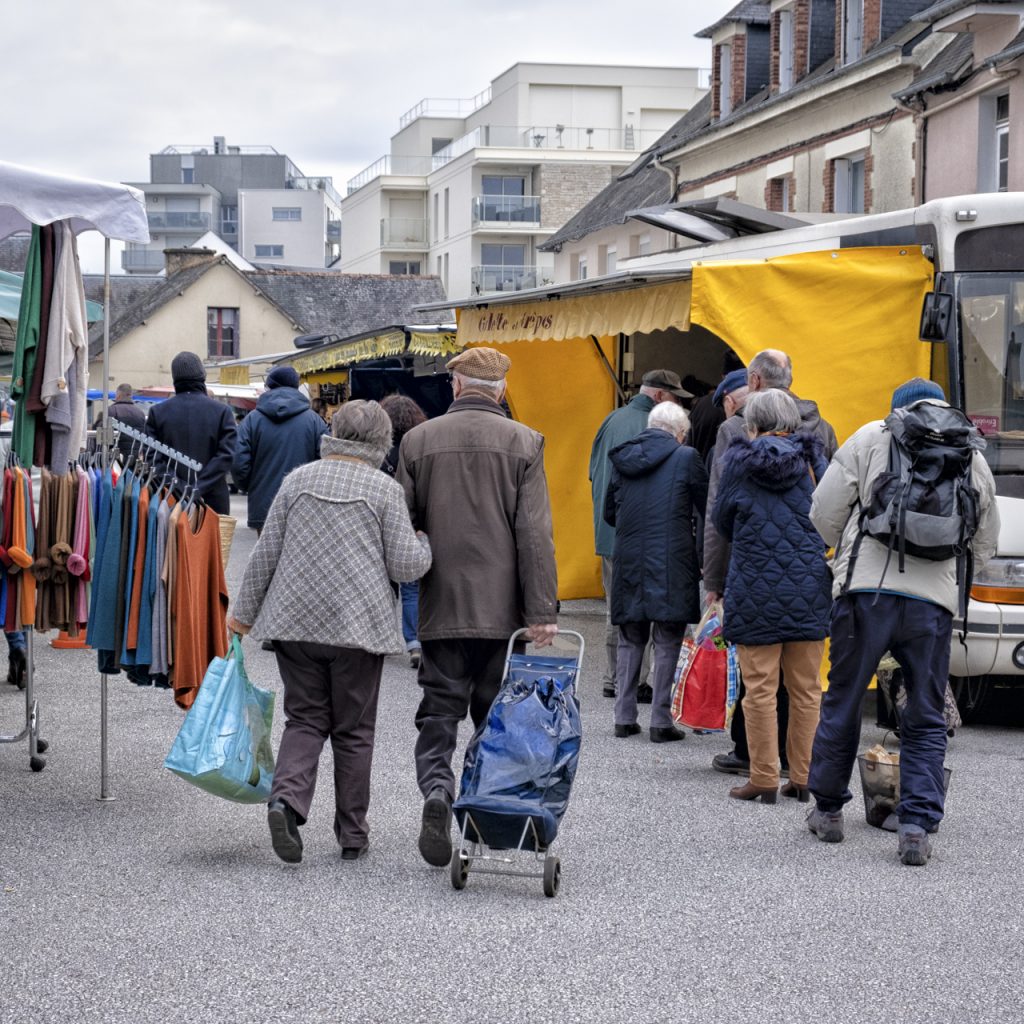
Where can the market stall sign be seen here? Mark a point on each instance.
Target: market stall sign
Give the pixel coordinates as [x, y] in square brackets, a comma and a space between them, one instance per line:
[432, 343]
[348, 352]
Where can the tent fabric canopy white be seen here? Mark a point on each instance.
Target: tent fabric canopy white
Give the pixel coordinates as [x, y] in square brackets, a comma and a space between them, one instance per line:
[28, 197]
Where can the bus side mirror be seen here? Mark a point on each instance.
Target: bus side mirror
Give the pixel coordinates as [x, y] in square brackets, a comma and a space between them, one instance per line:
[936, 316]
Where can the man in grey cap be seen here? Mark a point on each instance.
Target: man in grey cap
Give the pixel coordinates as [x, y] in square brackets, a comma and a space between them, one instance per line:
[618, 427]
[199, 427]
[474, 482]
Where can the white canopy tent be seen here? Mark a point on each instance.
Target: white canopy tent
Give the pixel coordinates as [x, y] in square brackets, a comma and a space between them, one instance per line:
[30, 197]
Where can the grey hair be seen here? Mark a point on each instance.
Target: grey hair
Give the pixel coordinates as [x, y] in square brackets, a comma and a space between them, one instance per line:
[669, 416]
[771, 411]
[364, 422]
[775, 368]
[125, 389]
[494, 386]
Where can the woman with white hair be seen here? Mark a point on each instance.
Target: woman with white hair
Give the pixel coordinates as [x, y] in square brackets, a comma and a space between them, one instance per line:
[317, 584]
[778, 587]
[658, 489]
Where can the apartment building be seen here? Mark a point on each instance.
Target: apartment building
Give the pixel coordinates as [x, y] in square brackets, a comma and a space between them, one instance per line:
[253, 197]
[470, 189]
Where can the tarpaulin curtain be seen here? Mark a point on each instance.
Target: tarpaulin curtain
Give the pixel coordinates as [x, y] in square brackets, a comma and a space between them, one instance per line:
[564, 392]
[848, 318]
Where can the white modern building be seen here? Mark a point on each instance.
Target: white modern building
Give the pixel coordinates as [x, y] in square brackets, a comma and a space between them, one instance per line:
[471, 188]
[253, 197]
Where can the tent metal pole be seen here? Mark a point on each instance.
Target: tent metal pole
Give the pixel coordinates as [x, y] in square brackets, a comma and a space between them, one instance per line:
[104, 456]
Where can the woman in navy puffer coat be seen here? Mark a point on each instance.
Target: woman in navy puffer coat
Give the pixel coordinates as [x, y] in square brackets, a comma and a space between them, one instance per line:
[778, 588]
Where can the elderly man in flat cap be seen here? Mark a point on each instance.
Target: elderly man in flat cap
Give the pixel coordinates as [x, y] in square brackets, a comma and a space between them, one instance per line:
[474, 481]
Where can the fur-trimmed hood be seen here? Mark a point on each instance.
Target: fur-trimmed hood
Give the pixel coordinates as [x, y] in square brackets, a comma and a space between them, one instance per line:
[777, 462]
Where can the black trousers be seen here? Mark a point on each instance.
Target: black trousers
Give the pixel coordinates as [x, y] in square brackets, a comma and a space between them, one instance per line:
[329, 693]
[456, 676]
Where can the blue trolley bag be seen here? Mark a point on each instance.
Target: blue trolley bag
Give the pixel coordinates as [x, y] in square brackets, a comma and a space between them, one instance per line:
[521, 762]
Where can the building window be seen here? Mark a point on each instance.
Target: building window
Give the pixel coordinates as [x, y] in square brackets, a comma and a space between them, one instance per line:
[504, 197]
[1002, 142]
[610, 259]
[724, 80]
[221, 333]
[446, 212]
[581, 269]
[229, 220]
[188, 173]
[436, 145]
[269, 252]
[643, 245]
[853, 29]
[287, 213]
[437, 218]
[786, 61]
[848, 184]
[403, 268]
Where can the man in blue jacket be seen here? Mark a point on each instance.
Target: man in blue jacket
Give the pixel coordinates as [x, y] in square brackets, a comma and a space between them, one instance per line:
[281, 433]
[618, 427]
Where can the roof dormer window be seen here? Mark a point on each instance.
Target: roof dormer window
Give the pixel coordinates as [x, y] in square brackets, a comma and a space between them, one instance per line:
[786, 49]
[851, 13]
[725, 79]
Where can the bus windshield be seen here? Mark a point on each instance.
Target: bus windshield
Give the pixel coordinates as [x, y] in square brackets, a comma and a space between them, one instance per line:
[992, 328]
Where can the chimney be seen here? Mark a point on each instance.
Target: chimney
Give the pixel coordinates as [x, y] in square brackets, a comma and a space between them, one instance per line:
[218, 145]
[181, 259]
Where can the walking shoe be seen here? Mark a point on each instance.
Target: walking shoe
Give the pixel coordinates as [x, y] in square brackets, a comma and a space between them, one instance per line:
[284, 831]
[914, 845]
[730, 764]
[666, 734]
[609, 690]
[354, 852]
[630, 729]
[16, 665]
[826, 825]
[644, 694]
[414, 659]
[435, 830]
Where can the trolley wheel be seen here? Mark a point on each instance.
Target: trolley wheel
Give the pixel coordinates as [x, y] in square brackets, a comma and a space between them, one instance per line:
[42, 746]
[552, 875]
[37, 764]
[459, 869]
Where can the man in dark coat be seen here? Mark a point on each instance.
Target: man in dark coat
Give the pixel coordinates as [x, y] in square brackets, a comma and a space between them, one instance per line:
[199, 427]
[474, 482]
[657, 491]
[124, 410]
[281, 433]
[707, 414]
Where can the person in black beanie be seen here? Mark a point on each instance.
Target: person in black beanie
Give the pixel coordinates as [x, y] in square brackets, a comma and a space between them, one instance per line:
[199, 427]
[281, 433]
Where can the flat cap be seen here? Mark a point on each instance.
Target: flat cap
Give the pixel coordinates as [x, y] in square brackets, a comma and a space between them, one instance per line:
[481, 363]
[730, 382]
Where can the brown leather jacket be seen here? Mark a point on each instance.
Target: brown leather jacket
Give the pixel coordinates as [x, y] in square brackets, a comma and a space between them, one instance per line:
[474, 482]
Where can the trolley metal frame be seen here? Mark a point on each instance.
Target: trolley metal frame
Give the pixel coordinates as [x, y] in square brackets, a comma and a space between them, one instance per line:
[473, 854]
[37, 746]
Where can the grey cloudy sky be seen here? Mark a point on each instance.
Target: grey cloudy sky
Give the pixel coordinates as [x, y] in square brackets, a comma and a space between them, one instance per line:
[92, 89]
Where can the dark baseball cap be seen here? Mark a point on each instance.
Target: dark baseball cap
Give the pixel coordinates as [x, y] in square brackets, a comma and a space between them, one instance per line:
[730, 382]
[665, 380]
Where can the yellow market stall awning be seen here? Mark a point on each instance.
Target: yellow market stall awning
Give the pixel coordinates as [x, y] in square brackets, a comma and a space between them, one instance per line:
[848, 318]
[344, 353]
[433, 343]
[635, 310]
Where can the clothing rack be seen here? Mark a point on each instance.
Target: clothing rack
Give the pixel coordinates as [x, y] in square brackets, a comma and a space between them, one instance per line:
[151, 442]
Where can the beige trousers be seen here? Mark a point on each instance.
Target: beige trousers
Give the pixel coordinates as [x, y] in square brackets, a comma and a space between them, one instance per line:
[800, 663]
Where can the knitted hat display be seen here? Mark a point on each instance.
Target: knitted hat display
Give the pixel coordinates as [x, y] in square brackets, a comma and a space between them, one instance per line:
[187, 366]
[282, 377]
[481, 364]
[915, 390]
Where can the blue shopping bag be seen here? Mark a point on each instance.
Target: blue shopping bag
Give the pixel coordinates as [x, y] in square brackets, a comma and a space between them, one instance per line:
[223, 745]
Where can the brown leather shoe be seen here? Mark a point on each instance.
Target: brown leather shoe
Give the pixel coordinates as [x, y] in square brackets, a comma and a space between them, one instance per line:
[796, 792]
[767, 795]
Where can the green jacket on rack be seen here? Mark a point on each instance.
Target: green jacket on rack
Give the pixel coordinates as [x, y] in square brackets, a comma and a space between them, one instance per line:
[25, 346]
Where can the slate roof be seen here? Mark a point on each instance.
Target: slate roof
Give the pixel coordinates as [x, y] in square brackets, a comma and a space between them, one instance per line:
[317, 302]
[753, 12]
[1012, 50]
[640, 185]
[949, 66]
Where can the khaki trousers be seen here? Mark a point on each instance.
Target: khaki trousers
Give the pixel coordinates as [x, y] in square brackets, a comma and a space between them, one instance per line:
[800, 662]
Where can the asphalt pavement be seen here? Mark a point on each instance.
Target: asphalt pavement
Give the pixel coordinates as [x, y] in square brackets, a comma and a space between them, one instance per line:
[677, 904]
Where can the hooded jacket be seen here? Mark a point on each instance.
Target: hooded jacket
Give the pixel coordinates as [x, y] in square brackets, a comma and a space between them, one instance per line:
[658, 489]
[778, 585]
[716, 549]
[280, 434]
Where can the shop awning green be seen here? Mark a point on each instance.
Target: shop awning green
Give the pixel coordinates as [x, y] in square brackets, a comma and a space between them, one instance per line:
[10, 299]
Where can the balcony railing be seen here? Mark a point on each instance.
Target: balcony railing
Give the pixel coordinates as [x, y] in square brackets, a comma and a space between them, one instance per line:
[403, 233]
[316, 184]
[148, 260]
[413, 166]
[192, 220]
[494, 278]
[445, 107]
[506, 210]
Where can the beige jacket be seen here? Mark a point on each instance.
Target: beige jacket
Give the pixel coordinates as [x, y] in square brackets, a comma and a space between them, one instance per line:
[835, 509]
[474, 482]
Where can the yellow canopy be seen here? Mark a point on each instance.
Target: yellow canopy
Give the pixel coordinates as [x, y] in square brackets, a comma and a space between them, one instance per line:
[345, 353]
[848, 319]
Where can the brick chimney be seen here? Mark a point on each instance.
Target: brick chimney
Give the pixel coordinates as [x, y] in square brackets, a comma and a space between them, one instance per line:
[182, 259]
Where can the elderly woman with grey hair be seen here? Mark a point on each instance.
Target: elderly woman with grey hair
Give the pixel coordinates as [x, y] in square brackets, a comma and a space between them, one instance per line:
[778, 587]
[317, 585]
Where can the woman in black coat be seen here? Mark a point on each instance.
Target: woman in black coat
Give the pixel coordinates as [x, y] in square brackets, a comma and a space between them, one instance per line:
[658, 489]
[778, 588]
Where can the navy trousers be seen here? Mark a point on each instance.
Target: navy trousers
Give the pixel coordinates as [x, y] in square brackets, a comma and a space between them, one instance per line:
[865, 626]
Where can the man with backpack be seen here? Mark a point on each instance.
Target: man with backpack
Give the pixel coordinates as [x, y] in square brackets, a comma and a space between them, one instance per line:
[908, 503]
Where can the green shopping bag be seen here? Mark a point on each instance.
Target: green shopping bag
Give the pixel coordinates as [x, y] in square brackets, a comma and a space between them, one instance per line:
[223, 745]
